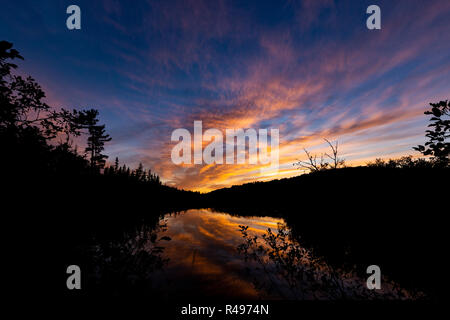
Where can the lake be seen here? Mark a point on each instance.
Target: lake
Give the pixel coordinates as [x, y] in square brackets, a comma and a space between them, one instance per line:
[206, 254]
[203, 254]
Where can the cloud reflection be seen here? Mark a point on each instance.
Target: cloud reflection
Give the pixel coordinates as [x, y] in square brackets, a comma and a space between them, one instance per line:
[203, 253]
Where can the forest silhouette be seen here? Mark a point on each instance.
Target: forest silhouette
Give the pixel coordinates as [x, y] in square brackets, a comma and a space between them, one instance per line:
[390, 213]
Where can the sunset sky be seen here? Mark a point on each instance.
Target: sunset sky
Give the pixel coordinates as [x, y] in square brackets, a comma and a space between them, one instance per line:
[310, 68]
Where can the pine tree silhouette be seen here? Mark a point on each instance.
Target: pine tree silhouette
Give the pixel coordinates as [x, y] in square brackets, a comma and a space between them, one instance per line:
[96, 144]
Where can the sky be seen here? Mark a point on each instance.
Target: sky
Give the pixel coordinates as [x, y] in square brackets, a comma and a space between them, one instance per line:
[309, 68]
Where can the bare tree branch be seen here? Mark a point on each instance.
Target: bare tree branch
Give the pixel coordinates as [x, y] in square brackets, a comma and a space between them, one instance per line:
[314, 165]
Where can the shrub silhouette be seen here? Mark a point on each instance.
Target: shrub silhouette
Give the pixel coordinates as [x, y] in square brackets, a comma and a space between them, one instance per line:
[293, 272]
[406, 162]
[437, 145]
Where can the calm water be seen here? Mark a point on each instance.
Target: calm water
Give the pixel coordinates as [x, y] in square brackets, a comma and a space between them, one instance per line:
[194, 254]
[203, 254]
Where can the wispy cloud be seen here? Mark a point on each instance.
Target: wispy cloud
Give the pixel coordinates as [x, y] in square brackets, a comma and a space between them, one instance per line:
[309, 68]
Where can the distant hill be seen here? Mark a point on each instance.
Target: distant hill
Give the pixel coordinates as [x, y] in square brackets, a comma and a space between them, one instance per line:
[339, 188]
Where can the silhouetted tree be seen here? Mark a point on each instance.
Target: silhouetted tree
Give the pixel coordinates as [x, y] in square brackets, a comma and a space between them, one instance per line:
[336, 161]
[153, 177]
[437, 145]
[313, 164]
[23, 109]
[10, 108]
[21, 99]
[318, 164]
[139, 171]
[27, 124]
[96, 144]
[116, 164]
[406, 162]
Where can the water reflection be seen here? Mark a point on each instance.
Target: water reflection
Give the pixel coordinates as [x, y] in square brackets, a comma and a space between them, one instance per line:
[126, 265]
[295, 273]
[205, 254]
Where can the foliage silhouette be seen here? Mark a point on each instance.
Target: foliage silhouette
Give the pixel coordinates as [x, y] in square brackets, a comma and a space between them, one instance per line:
[28, 128]
[296, 274]
[126, 264]
[406, 162]
[438, 145]
[96, 142]
[59, 204]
